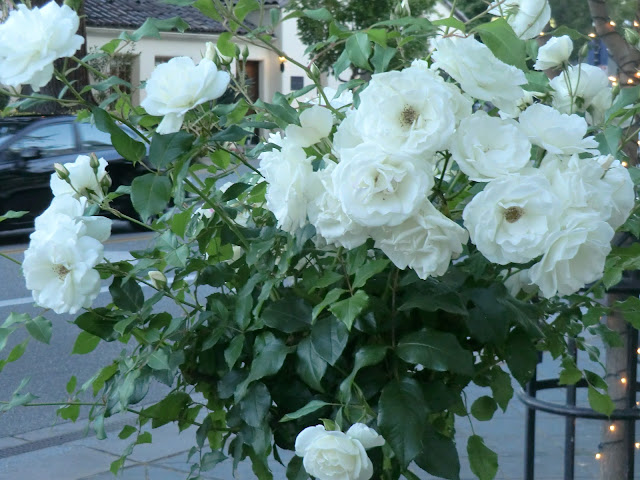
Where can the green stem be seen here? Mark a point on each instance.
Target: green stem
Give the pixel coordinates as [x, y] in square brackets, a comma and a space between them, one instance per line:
[10, 258]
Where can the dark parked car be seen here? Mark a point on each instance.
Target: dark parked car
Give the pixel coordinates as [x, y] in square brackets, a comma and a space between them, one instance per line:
[30, 146]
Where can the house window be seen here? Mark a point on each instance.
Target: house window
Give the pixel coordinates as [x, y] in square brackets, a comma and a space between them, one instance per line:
[297, 83]
[161, 59]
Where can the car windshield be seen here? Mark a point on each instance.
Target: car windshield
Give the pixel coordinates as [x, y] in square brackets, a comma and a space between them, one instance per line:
[9, 128]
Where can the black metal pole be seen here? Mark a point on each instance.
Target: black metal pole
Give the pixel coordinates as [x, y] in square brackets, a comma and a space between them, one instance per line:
[530, 430]
[570, 425]
[632, 381]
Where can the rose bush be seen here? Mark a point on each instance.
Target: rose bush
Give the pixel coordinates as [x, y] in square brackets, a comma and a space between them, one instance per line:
[434, 225]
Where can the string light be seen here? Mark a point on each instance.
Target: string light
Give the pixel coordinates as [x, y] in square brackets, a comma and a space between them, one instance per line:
[625, 165]
[542, 34]
[592, 35]
[612, 23]
[636, 24]
[613, 78]
[598, 456]
[638, 350]
[623, 380]
[612, 428]
[630, 81]
[638, 445]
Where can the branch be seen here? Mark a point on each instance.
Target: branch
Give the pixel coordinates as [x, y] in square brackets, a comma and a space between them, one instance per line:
[624, 55]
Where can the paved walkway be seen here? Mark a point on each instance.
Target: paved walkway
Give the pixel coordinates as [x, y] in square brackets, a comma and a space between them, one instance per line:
[63, 452]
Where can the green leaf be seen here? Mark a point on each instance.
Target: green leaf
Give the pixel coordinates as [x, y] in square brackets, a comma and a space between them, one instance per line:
[521, 355]
[255, 405]
[98, 323]
[570, 374]
[12, 214]
[402, 416]
[85, 343]
[71, 384]
[434, 299]
[609, 140]
[368, 270]
[310, 407]
[482, 460]
[330, 298]
[127, 294]
[150, 194]
[382, 56]
[153, 26]
[295, 469]
[209, 9]
[233, 351]
[168, 409]
[159, 360]
[435, 350]
[329, 337]
[225, 45]
[166, 149]
[288, 315]
[450, 22]
[234, 191]
[630, 309]
[126, 432]
[126, 146]
[358, 49]
[211, 459]
[270, 353]
[106, 84]
[310, 366]
[439, 455]
[501, 387]
[69, 412]
[484, 408]
[365, 357]
[600, 402]
[39, 328]
[488, 321]
[342, 63]
[319, 14]
[244, 8]
[503, 42]
[347, 310]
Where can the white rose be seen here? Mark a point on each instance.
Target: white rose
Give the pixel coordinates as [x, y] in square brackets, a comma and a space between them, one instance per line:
[589, 91]
[30, 41]
[327, 215]
[59, 267]
[409, 110]
[578, 184]
[510, 220]
[83, 180]
[623, 195]
[66, 205]
[426, 242]
[378, 188]
[526, 17]
[333, 455]
[519, 281]
[348, 134]
[315, 124]
[554, 53]
[179, 85]
[288, 172]
[479, 72]
[488, 147]
[574, 255]
[556, 132]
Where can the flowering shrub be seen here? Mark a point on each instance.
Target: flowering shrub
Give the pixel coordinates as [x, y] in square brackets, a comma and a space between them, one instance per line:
[435, 226]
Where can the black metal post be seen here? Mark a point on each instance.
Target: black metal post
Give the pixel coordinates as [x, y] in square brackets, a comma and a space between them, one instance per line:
[632, 380]
[530, 430]
[570, 425]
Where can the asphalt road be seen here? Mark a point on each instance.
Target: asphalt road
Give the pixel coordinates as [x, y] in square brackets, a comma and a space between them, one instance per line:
[50, 366]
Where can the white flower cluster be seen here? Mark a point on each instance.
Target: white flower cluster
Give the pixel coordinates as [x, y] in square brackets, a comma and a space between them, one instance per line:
[30, 41]
[334, 455]
[59, 265]
[372, 174]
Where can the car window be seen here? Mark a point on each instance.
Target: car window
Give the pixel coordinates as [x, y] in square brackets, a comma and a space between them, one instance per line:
[8, 129]
[51, 140]
[93, 139]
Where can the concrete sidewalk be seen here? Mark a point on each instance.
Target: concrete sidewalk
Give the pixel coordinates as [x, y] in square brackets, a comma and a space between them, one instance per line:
[63, 452]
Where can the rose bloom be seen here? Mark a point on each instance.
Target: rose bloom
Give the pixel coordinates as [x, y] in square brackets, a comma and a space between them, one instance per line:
[575, 255]
[480, 73]
[59, 266]
[288, 173]
[83, 180]
[30, 41]
[556, 132]
[333, 455]
[527, 17]
[590, 88]
[67, 205]
[487, 147]
[555, 53]
[621, 186]
[179, 85]
[426, 242]
[315, 124]
[511, 219]
[412, 111]
[376, 188]
[327, 215]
